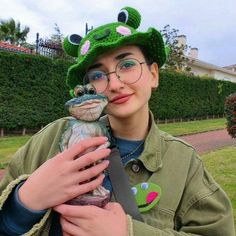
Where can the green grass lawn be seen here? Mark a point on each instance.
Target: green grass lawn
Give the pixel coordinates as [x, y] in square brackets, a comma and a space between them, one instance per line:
[222, 165]
[190, 127]
[8, 146]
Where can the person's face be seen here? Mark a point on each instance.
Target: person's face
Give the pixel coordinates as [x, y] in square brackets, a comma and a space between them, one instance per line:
[129, 89]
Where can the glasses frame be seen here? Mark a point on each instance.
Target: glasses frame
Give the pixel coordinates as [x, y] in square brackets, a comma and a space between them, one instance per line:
[115, 72]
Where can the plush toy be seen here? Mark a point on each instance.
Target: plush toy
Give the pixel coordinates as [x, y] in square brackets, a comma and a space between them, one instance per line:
[85, 108]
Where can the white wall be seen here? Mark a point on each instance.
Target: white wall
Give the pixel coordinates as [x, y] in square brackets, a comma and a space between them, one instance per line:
[219, 75]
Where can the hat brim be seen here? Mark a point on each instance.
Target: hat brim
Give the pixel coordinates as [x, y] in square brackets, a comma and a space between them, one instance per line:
[151, 40]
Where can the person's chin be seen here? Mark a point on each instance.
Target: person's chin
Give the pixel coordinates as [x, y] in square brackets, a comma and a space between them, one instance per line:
[122, 111]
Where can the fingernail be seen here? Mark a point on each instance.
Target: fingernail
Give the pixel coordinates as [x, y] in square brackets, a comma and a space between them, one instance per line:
[106, 162]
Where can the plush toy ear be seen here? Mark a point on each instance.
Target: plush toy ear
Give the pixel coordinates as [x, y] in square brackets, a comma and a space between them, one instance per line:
[71, 44]
[129, 16]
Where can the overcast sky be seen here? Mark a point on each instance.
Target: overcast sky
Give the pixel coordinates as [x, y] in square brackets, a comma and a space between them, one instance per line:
[209, 25]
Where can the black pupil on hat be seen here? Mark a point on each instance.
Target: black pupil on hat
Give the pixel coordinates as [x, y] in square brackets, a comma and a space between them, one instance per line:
[122, 17]
[74, 38]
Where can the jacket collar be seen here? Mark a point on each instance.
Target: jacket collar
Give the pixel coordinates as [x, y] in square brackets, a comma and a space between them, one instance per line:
[151, 155]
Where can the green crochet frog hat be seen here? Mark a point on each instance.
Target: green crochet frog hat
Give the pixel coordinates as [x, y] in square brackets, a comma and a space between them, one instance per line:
[108, 37]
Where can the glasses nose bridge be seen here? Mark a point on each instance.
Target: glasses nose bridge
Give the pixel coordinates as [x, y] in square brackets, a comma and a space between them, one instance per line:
[112, 72]
[109, 73]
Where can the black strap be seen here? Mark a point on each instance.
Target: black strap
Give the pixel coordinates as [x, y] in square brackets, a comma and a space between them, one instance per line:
[121, 186]
[119, 181]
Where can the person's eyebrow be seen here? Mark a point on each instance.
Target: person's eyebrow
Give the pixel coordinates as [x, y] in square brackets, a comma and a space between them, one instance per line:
[118, 57]
[123, 55]
[94, 66]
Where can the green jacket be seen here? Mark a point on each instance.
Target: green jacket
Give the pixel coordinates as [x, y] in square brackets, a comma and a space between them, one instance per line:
[192, 203]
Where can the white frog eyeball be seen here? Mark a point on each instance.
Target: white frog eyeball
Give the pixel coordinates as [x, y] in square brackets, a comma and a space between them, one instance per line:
[134, 190]
[144, 186]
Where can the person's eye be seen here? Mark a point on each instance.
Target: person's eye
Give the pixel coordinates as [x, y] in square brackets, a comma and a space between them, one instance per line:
[96, 75]
[125, 65]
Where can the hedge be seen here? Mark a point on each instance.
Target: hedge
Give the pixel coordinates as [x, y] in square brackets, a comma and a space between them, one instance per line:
[33, 92]
[182, 96]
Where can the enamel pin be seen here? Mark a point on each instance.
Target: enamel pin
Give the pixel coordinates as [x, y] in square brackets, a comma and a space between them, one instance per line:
[147, 195]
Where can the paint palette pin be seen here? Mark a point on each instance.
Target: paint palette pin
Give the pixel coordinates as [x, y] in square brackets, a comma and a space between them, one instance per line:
[147, 195]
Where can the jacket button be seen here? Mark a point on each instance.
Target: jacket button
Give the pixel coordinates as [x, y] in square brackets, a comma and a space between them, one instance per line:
[135, 168]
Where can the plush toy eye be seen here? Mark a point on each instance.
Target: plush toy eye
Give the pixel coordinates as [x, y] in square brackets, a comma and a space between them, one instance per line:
[90, 89]
[79, 91]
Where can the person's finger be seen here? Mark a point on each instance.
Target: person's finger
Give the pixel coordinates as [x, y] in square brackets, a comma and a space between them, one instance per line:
[91, 185]
[92, 172]
[82, 146]
[69, 228]
[83, 212]
[66, 234]
[113, 206]
[91, 158]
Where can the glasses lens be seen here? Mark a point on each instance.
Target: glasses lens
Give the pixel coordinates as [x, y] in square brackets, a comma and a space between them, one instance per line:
[129, 71]
[97, 78]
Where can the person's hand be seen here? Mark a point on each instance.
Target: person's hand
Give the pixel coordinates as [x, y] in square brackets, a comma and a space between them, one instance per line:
[92, 220]
[64, 177]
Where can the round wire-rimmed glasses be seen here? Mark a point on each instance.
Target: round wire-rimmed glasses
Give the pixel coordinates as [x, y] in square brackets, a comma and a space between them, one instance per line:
[128, 71]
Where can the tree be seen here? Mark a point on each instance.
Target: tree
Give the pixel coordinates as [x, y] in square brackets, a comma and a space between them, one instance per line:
[176, 59]
[11, 32]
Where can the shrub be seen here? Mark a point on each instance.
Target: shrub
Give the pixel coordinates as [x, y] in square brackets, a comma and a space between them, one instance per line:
[230, 112]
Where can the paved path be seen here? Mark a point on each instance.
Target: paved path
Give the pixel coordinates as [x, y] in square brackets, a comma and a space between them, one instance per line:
[203, 142]
[207, 141]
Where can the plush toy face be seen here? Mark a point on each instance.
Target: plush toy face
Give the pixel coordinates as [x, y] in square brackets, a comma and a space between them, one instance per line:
[146, 195]
[86, 104]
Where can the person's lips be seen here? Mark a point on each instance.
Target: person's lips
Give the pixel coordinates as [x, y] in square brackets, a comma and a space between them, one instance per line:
[122, 98]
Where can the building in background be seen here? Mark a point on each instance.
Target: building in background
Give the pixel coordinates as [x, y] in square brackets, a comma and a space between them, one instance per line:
[202, 68]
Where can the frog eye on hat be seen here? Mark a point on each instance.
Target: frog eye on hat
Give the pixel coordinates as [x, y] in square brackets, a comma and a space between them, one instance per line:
[71, 44]
[129, 16]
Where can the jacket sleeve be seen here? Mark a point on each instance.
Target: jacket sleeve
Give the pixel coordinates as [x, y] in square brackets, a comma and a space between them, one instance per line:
[14, 175]
[41, 147]
[203, 210]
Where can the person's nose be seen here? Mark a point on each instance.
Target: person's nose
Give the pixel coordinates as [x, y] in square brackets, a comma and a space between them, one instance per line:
[114, 81]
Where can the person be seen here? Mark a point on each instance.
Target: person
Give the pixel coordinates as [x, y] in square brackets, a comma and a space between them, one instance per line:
[122, 64]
